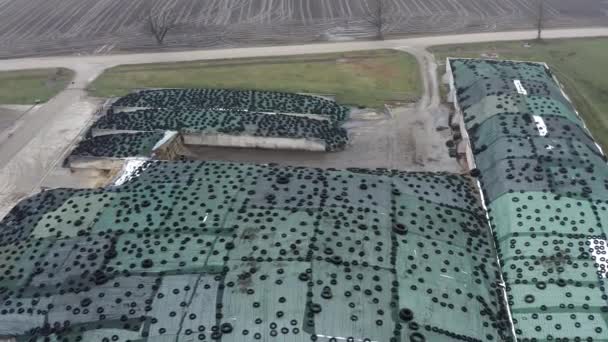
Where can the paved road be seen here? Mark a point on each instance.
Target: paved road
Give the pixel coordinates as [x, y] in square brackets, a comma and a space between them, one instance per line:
[43, 135]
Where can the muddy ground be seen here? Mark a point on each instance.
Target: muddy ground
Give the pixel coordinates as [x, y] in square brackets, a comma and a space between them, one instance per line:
[407, 139]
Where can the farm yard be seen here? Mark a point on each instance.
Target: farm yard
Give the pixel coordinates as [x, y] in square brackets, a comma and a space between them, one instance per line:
[240, 195]
[35, 27]
[284, 128]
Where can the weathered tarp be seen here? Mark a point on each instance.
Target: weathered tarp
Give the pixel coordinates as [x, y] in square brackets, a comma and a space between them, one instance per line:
[186, 251]
[545, 183]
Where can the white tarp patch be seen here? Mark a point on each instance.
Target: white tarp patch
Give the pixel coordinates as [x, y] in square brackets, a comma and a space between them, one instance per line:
[128, 169]
[598, 249]
[168, 136]
[520, 88]
[540, 125]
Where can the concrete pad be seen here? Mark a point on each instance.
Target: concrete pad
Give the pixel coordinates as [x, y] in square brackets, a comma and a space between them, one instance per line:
[376, 141]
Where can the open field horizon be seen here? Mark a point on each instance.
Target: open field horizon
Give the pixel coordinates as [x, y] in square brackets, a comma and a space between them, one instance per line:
[60, 27]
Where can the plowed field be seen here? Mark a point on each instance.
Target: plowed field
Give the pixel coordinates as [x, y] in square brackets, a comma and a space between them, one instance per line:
[43, 27]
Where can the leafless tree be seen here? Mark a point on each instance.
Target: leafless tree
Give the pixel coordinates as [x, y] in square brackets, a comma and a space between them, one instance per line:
[159, 22]
[540, 18]
[381, 14]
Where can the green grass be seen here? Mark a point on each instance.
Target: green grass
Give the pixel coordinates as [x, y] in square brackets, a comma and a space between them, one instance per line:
[366, 78]
[27, 86]
[579, 64]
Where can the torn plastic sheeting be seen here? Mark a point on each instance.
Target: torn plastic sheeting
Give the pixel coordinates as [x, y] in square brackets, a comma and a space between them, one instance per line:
[169, 135]
[520, 88]
[540, 125]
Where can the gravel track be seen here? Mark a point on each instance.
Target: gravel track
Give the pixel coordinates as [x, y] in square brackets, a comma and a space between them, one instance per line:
[53, 27]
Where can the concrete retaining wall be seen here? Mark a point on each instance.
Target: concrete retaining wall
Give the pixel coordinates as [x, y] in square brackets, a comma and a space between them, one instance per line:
[100, 163]
[128, 109]
[248, 141]
[319, 117]
[169, 147]
[96, 132]
[458, 119]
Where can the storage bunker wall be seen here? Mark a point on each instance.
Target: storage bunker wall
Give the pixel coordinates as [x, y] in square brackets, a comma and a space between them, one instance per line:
[215, 117]
[545, 185]
[242, 126]
[110, 150]
[241, 118]
[242, 252]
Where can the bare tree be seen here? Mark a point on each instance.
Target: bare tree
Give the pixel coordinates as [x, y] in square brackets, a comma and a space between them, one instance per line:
[380, 14]
[159, 22]
[540, 18]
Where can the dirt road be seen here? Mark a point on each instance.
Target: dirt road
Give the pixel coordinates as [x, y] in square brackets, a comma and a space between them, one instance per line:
[41, 137]
[84, 64]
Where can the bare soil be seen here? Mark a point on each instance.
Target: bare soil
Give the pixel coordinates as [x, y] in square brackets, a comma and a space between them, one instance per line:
[33, 27]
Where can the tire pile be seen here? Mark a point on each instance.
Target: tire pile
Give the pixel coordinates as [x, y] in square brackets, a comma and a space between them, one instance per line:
[227, 122]
[216, 111]
[242, 100]
[545, 183]
[217, 251]
[119, 145]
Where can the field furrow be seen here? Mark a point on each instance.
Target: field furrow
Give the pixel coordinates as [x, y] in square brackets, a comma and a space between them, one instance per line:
[35, 27]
